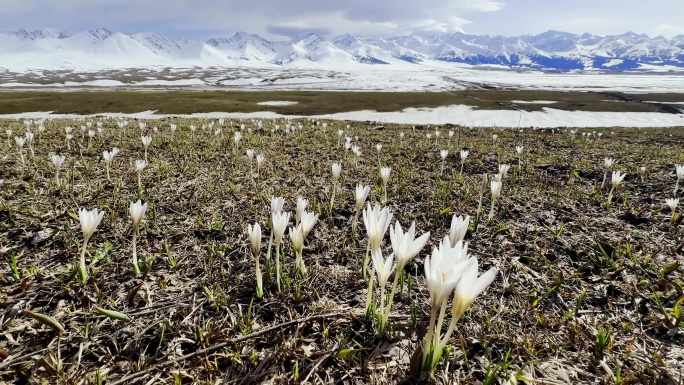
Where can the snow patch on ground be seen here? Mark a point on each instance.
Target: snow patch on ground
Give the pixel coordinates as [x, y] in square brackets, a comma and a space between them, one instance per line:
[277, 103]
[456, 114]
[533, 101]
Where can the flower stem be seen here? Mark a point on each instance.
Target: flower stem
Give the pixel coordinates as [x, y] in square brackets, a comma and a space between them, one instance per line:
[332, 198]
[136, 267]
[277, 259]
[82, 270]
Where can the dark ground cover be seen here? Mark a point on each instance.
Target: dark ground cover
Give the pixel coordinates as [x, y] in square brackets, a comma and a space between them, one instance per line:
[584, 294]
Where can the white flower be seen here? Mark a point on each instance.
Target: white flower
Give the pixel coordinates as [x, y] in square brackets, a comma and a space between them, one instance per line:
[444, 154]
[29, 137]
[459, 227]
[672, 203]
[503, 169]
[20, 141]
[361, 194]
[385, 174]
[91, 133]
[470, 287]
[89, 221]
[68, 130]
[496, 189]
[308, 221]
[57, 161]
[277, 204]
[137, 210]
[383, 268]
[617, 178]
[279, 221]
[250, 154]
[108, 156]
[494, 138]
[146, 140]
[340, 133]
[237, 136]
[69, 137]
[679, 170]
[378, 147]
[140, 165]
[301, 206]
[297, 238]
[608, 163]
[464, 155]
[376, 220]
[336, 171]
[519, 149]
[404, 244]
[260, 159]
[443, 270]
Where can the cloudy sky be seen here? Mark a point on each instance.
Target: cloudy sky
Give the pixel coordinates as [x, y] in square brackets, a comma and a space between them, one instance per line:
[277, 19]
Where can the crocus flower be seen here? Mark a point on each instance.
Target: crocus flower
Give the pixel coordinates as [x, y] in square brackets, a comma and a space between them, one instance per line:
[89, 221]
[57, 161]
[385, 174]
[405, 244]
[137, 210]
[383, 268]
[301, 206]
[444, 269]
[361, 193]
[679, 170]
[279, 221]
[140, 165]
[260, 160]
[255, 238]
[459, 227]
[336, 171]
[519, 149]
[672, 204]
[617, 178]
[376, 220]
[297, 238]
[277, 204]
[308, 221]
[470, 287]
[496, 189]
[503, 169]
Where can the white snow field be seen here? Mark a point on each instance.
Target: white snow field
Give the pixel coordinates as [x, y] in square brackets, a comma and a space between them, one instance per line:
[277, 103]
[457, 114]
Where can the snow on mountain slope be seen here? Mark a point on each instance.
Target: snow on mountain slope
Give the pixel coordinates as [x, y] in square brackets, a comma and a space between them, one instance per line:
[49, 49]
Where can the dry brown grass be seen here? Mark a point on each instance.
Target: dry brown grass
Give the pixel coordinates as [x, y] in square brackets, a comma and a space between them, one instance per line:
[320, 102]
[200, 321]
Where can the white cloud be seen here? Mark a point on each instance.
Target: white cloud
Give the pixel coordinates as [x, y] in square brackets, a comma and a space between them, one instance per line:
[669, 30]
[273, 18]
[371, 17]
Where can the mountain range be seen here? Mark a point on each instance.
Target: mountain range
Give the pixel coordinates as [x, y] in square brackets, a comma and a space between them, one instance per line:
[51, 49]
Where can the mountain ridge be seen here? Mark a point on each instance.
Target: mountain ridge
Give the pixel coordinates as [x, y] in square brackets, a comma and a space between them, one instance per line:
[50, 48]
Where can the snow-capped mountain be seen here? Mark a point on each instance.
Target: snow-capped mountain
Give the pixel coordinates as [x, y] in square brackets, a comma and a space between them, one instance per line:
[553, 50]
